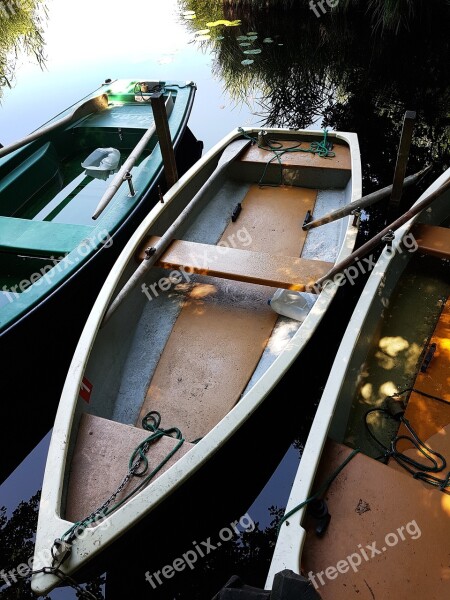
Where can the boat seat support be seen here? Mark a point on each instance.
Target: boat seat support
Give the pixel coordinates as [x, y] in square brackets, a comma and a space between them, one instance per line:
[433, 239]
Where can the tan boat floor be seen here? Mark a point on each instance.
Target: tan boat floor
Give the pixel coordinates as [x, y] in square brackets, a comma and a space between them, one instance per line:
[341, 160]
[210, 356]
[270, 221]
[373, 504]
[433, 239]
[221, 332]
[100, 444]
[426, 415]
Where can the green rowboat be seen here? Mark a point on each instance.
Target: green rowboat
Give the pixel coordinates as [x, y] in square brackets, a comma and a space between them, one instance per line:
[67, 209]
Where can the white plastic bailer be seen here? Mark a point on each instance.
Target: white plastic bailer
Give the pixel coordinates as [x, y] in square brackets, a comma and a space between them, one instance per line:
[295, 305]
[102, 162]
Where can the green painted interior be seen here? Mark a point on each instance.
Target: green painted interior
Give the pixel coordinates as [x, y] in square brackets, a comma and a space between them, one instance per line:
[47, 200]
[40, 238]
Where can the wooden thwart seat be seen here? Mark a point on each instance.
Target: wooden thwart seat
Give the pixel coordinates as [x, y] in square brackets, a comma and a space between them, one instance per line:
[287, 272]
[433, 239]
[340, 161]
[40, 238]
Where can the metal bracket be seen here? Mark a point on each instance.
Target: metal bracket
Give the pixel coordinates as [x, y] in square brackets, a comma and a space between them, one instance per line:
[236, 212]
[428, 356]
[308, 218]
[129, 177]
[356, 217]
[388, 238]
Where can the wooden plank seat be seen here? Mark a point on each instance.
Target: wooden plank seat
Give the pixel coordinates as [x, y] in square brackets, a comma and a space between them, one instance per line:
[341, 160]
[433, 239]
[40, 238]
[100, 444]
[261, 268]
[299, 168]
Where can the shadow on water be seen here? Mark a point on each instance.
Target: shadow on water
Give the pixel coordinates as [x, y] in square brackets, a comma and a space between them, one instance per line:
[340, 71]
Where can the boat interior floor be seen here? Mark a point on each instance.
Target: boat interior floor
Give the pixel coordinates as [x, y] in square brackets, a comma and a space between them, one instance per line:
[200, 345]
[428, 408]
[382, 507]
[387, 532]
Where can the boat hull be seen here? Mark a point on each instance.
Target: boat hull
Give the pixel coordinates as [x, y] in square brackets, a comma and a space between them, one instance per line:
[336, 402]
[93, 347]
[37, 348]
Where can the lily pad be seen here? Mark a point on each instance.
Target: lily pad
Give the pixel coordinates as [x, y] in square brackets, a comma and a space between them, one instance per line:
[189, 12]
[225, 22]
[242, 38]
[252, 33]
[245, 44]
[220, 37]
[202, 31]
[206, 36]
[252, 38]
[247, 61]
[190, 17]
[254, 51]
[268, 40]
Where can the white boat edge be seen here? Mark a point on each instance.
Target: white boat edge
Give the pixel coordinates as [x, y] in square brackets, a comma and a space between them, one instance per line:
[290, 541]
[50, 525]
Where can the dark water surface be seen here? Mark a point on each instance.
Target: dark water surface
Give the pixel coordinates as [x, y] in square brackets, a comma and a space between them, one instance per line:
[271, 67]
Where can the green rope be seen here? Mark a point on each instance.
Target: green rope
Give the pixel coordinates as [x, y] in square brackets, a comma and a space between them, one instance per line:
[317, 147]
[151, 422]
[322, 489]
[414, 467]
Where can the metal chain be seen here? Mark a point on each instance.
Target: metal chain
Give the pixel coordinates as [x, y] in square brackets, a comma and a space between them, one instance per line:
[101, 510]
[67, 580]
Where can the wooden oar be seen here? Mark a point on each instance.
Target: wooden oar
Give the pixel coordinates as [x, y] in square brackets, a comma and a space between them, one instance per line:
[228, 155]
[129, 163]
[364, 201]
[371, 244]
[90, 106]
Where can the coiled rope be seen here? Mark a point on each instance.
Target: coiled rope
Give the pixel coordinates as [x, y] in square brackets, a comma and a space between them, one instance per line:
[322, 148]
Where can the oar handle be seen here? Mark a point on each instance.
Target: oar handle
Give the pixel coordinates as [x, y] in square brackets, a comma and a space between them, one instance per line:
[372, 243]
[363, 202]
[88, 107]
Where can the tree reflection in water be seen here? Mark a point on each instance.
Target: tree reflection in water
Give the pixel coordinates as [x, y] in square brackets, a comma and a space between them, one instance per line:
[341, 71]
[21, 31]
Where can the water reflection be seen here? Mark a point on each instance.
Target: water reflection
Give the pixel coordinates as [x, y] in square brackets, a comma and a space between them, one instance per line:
[302, 70]
[338, 72]
[21, 31]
